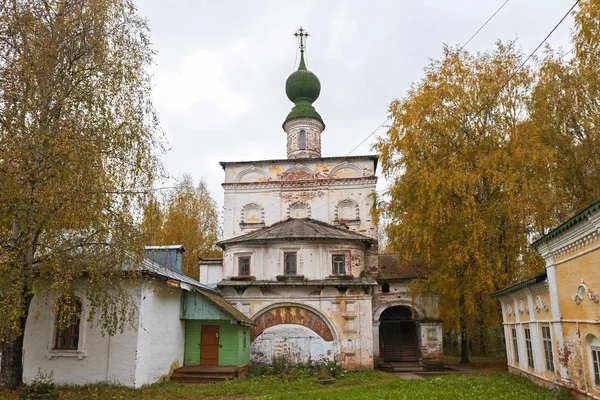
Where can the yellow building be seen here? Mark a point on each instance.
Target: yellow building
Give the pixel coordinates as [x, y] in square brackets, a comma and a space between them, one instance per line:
[552, 320]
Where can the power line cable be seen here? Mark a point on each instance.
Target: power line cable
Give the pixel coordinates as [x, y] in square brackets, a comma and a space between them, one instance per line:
[371, 134]
[462, 47]
[483, 26]
[483, 106]
[502, 87]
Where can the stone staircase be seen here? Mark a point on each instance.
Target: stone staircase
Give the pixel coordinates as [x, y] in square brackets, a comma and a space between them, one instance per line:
[404, 366]
[207, 373]
[408, 350]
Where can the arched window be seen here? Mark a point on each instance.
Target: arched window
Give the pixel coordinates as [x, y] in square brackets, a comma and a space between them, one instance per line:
[298, 210]
[385, 288]
[302, 139]
[252, 216]
[347, 211]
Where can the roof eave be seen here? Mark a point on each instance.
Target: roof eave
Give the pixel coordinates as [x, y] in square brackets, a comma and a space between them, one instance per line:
[580, 216]
[224, 244]
[540, 277]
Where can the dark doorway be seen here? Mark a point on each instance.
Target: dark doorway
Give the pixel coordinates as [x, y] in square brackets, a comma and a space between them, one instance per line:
[398, 340]
[209, 345]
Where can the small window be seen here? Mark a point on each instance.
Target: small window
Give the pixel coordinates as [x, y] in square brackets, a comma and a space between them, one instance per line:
[596, 363]
[515, 345]
[385, 288]
[339, 264]
[290, 263]
[547, 338]
[68, 338]
[244, 266]
[302, 139]
[529, 348]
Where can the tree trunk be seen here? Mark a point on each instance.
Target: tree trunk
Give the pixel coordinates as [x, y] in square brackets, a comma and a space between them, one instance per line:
[11, 362]
[464, 337]
[482, 326]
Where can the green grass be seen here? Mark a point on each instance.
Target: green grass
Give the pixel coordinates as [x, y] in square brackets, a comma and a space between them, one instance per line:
[354, 385]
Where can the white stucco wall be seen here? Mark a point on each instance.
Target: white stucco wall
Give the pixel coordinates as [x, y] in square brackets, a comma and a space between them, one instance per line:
[314, 260]
[136, 357]
[210, 273]
[320, 184]
[98, 358]
[295, 343]
[161, 339]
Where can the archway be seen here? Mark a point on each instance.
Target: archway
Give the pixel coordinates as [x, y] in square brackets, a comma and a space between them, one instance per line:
[398, 335]
[295, 315]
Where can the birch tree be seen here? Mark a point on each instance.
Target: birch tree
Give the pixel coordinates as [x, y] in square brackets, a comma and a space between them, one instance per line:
[565, 112]
[78, 151]
[187, 216]
[465, 172]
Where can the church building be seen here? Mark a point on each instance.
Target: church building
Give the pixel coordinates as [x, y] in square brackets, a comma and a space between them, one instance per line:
[300, 254]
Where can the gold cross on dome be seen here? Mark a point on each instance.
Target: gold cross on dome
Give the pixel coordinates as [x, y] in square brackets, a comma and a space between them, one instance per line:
[301, 34]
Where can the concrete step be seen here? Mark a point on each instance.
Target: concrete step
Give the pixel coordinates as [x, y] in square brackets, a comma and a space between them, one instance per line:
[402, 367]
[186, 378]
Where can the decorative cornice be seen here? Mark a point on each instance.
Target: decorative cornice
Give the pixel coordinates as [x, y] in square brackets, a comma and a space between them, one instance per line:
[542, 287]
[303, 183]
[573, 246]
[287, 126]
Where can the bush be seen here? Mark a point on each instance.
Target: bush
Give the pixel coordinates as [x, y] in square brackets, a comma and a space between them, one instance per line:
[287, 370]
[43, 383]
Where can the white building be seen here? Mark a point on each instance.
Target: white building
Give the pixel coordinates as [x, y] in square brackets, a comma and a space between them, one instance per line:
[169, 309]
[300, 253]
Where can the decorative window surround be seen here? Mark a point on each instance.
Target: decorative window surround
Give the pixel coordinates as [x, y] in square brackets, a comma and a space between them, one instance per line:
[583, 289]
[245, 224]
[509, 310]
[80, 352]
[522, 308]
[539, 304]
[300, 205]
[339, 219]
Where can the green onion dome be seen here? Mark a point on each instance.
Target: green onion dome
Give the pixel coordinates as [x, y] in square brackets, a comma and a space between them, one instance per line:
[303, 88]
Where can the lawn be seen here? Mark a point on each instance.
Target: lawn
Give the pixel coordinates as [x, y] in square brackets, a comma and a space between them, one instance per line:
[354, 385]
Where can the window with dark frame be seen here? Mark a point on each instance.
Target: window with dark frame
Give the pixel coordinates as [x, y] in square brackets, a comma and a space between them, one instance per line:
[515, 345]
[68, 337]
[547, 339]
[529, 348]
[596, 363]
[302, 139]
[338, 262]
[290, 264]
[244, 266]
[385, 288]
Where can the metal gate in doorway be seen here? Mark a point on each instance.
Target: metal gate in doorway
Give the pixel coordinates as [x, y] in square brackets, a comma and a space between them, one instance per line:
[398, 335]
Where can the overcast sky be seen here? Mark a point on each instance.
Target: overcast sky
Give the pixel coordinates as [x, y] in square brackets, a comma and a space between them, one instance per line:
[221, 67]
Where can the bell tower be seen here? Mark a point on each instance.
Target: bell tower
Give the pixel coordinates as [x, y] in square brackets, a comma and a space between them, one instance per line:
[303, 125]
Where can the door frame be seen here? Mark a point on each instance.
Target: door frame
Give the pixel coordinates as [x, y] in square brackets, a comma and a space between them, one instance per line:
[217, 345]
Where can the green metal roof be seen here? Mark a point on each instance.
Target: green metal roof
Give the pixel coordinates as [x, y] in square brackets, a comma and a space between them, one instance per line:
[303, 88]
[566, 225]
[223, 304]
[539, 277]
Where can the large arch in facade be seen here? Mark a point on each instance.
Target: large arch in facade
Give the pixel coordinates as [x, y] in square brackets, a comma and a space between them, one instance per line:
[291, 313]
